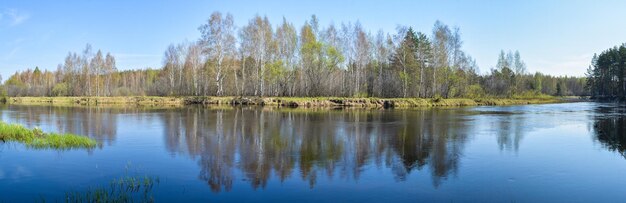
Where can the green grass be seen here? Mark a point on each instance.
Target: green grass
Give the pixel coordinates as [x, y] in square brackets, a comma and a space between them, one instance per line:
[370, 102]
[125, 189]
[38, 139]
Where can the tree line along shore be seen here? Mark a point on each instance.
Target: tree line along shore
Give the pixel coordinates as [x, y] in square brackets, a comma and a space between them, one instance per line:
[261, 59]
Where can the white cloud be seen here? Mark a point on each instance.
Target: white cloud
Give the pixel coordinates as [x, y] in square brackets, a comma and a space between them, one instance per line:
[13, 17]
[11, 54]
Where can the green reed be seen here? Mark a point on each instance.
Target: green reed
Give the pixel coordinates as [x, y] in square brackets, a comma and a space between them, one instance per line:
[38, 139]
[125, 189]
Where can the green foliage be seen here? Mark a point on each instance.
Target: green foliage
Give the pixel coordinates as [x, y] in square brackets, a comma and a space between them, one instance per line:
[37, 71]
[532, 94]
[14, 80]
[60, 90]
[122, 91]
[403, 76]
[125, 189]
[275, 71]
[437, 98]
[334, 56]
[38, 139]
[3, 94]
[475, 91]
[606, 75]
[361, 95]
[3, 91]
[538, 85]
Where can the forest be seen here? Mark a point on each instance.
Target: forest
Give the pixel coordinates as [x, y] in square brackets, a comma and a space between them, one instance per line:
[606, 76]
[344, 60]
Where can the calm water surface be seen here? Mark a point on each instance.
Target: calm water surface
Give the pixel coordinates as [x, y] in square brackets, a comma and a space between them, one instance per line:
[571, 152]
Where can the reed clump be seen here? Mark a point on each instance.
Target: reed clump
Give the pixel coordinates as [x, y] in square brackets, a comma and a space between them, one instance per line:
[38, 139]
[125, 189]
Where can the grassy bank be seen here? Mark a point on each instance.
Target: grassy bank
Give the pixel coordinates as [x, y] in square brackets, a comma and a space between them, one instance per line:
[36, 138]
[98, 100]
[282, 101]
[401, 102]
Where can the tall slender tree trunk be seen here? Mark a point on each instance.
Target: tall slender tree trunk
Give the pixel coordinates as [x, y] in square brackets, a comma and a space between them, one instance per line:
[406, 82]
[243, 74]
[434, 81]
[420, 91]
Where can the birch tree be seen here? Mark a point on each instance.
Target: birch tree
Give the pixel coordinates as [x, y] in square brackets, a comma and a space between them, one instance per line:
[218, 42]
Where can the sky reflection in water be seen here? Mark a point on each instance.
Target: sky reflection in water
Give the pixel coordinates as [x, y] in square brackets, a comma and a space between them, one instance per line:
[563, 152]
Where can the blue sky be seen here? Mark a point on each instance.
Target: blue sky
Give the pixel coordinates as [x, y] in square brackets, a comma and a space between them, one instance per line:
[554, 37]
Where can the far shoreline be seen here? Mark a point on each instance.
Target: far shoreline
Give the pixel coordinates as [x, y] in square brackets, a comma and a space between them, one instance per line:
[291, 102]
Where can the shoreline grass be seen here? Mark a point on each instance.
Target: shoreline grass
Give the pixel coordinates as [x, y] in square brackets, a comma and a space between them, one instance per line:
[369, 102]
[124, 189]
[36, 138]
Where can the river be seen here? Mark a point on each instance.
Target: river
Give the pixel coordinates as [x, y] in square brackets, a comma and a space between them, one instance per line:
[569, 152]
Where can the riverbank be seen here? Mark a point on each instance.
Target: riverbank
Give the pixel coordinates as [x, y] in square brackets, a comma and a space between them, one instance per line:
[284, 101]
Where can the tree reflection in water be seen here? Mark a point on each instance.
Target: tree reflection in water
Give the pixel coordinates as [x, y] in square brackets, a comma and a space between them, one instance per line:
[609, 127]
[311, 144]
[96, 122]
[259, 144]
